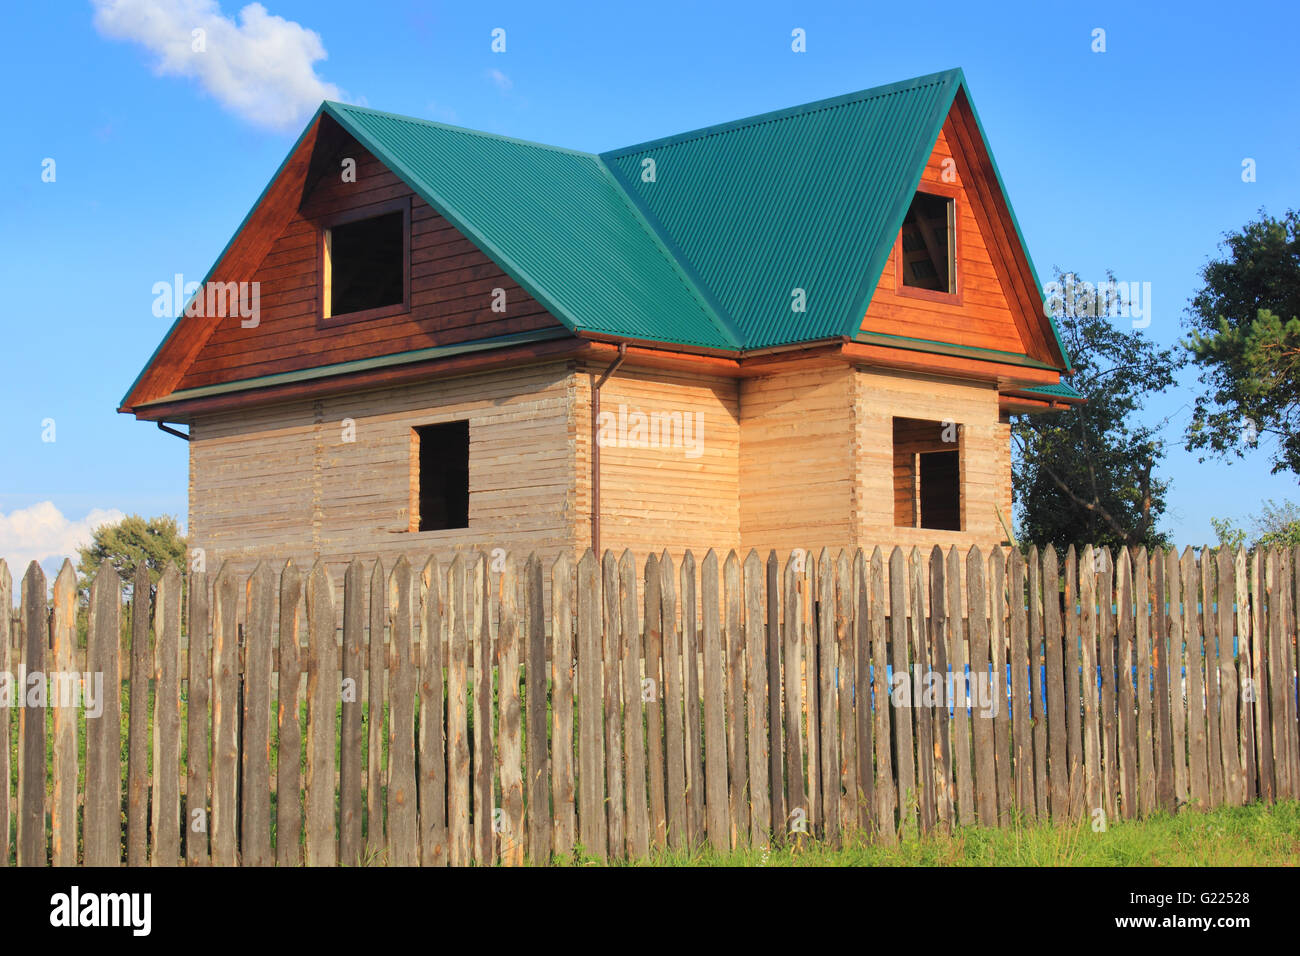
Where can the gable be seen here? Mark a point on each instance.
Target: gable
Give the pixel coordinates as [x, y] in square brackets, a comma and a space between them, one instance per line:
[451, 289]
[985, 313]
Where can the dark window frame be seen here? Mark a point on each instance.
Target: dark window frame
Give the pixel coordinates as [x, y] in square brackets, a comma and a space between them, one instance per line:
[952, 194]
[914, 485]
[370, 211]
[417, 476]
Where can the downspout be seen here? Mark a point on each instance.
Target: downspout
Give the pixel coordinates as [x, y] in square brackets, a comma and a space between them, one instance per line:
[596, 383]
[173, 431]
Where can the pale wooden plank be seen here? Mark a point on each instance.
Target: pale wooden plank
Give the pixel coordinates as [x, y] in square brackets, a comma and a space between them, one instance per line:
[167, 722]
[634, 758]
[509, 748]
[756, 700]
[1146, 723]
[612, 699]
[1177, 679]
[1234, 784]
[198, 752]
[403, 826]
[715, 741]
[102, 817]
[774, 743]
[1163, 668]
[1094, 774]
[796, 799]
[255, 778]
[1210, 630]
[458, 778]
[31, 725]
[652, 701]
[225, 718]
[433, 713]
[1194, 661]
[137, 753]
[693, 728]
[377, 697]
[1249, 690]
[351, 847]
[923, 712]
[288, 770]
[865, 798]
[483, 656]
[848, 743]
[1058, 760]
[886, 788]
[63, 641]
[322, 698]
[1275, 660]
[811, 721]
[961, 719]
[1037, 683]
[1126, 700]
[1106, 655]
[1080, 634]
[1022, 744]
[898, 639]
[674, 728]
[998, 624]
[535, 676]
[938, 633]
[733, 597]
[986, 794]
[562, 790]
[828, 702]
[592, 824]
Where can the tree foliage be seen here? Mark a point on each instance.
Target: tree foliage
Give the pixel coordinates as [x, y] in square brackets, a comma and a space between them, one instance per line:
[1087, 475]
[1274, 525]
[153, 542]
[1245, 338]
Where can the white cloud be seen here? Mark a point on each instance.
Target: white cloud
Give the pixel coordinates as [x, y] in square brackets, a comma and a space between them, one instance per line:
[41, 531]
[503, 82]
[260, 69]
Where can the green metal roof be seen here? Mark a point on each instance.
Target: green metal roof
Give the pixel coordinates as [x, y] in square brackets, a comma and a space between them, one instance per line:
[807, 198]
[554, 219]
[1061, 390]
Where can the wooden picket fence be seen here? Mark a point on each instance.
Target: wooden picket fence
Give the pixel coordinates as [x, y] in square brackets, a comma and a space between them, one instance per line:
[730, 704]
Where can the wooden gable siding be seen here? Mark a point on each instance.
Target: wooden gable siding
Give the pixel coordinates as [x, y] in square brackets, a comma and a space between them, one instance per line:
[452, 283]
[984, 315]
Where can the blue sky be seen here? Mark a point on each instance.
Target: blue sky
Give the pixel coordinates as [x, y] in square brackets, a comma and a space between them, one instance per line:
[1128, 160]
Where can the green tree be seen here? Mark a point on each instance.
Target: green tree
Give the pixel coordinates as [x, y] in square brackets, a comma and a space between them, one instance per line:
[1245, 338]
[128, 544]
[1274, 525]
[1087, 475]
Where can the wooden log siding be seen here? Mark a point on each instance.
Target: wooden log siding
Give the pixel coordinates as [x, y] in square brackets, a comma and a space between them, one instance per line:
[724, 704]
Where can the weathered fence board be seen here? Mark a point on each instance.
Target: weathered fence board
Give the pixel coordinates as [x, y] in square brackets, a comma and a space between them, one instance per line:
[900, 703]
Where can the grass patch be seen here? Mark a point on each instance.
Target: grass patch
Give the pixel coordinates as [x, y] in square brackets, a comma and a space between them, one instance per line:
[1228, 836]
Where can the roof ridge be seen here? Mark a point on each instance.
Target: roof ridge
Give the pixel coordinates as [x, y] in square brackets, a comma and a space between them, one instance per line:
[801, 109]
[421, 121]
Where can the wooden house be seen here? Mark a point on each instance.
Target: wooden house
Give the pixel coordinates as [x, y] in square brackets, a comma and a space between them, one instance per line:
[804, 328]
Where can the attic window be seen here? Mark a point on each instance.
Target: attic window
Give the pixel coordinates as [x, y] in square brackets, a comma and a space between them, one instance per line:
[440, 478]
[365, 263]
[927, 474]
[927, 253]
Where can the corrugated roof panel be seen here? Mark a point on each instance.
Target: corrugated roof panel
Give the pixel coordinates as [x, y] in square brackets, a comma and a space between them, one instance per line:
[554, 219]
[808, 198]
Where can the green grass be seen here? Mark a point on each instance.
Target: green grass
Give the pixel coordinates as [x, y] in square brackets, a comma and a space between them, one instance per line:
[1228, 836]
